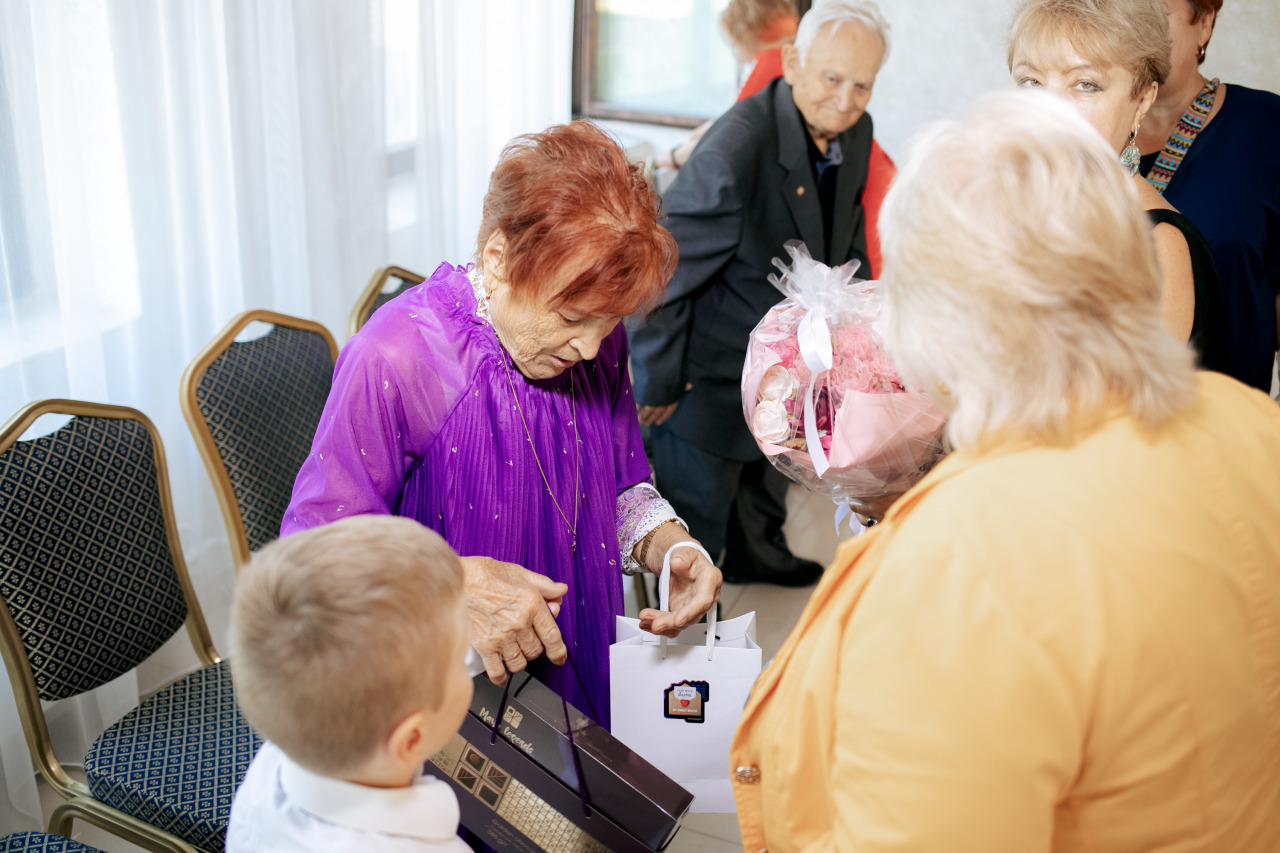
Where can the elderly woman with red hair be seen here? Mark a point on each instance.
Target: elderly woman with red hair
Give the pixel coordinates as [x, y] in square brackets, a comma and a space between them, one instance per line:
[492, 404]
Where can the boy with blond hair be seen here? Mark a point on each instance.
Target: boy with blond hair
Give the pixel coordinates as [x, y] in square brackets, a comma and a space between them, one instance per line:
[349, 646]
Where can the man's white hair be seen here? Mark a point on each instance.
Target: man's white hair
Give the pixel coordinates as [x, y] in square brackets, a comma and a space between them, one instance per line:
[1020, 279]
[836, 13]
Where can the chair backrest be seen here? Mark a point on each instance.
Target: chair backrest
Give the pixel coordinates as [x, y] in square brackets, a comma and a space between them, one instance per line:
[253, 407]
[378, 292]
[91, 571]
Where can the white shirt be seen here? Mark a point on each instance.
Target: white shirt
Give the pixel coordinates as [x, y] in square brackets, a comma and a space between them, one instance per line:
[282, 808]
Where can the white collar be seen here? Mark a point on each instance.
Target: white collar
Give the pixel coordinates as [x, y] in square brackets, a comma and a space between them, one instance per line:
[426, 810]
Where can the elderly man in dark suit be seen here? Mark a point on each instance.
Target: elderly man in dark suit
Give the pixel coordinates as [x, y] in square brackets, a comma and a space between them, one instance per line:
[789, 163]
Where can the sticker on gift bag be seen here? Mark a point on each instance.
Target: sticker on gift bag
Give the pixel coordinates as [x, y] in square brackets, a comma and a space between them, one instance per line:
[686, 700]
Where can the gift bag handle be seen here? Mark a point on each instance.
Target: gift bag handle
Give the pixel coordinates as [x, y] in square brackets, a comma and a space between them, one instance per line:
[664, 598]
[568, 728]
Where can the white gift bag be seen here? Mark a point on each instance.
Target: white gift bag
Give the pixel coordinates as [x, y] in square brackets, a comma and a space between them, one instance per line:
[677, 702]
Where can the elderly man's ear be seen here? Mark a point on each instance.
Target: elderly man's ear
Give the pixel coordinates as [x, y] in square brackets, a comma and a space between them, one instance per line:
[790, 63]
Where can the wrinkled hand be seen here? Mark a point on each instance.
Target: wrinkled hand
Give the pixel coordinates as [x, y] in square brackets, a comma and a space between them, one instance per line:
[695, 586]
[513, 614]
[654, 415]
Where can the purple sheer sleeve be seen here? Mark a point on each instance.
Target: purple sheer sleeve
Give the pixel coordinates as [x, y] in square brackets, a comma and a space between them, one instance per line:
[356, 464]
[394, 384]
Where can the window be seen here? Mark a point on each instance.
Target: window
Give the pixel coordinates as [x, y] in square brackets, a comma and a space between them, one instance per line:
[658, 61]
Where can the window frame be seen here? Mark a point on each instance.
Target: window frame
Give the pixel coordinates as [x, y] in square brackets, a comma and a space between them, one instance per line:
[584, 104]
[584, 78]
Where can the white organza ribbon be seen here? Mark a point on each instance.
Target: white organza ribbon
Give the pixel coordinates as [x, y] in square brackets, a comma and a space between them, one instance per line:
[814, 338]
[843, 511]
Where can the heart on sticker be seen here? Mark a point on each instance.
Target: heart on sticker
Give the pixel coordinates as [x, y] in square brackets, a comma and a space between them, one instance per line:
[684, 703]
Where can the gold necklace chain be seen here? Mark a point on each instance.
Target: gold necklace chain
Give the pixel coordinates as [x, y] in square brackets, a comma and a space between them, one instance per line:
[577, 459]
[482, 308]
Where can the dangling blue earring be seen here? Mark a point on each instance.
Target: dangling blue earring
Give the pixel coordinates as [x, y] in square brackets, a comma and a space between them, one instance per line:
[1130, 156]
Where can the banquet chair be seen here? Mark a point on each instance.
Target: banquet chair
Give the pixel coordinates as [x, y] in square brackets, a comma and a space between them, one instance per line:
[252, 407]
[40, 842]
[386, 284]
[93, 583]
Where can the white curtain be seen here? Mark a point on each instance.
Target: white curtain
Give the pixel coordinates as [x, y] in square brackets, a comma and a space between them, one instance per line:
[163, 166]
[489, 71]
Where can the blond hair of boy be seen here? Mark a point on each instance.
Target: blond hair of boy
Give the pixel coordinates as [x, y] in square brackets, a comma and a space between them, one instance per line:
[349, 645]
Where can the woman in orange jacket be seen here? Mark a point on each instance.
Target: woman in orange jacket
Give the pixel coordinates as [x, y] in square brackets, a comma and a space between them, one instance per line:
[1066, 637]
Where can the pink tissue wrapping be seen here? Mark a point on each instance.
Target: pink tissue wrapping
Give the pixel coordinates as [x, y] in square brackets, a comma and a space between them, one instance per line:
[883, 433]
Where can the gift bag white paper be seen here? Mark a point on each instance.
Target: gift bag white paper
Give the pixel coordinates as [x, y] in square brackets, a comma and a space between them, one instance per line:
[655, 688]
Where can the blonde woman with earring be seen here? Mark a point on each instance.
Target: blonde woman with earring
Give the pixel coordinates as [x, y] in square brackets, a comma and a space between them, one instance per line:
[1109, 58]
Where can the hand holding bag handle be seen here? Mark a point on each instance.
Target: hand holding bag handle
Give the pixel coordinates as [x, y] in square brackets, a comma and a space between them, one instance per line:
[664, 598]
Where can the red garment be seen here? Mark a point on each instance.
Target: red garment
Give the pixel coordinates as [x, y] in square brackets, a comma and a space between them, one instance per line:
[880, 172]
[768, 65]
[880, 169]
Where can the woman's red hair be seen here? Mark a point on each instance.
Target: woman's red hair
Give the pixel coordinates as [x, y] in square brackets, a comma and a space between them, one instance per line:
[568, 200]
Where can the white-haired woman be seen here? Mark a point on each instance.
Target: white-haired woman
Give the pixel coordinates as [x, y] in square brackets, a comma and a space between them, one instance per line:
[1109, 58]
[1067, 636]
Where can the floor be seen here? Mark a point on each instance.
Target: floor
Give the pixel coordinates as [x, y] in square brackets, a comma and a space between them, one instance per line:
[811, 534]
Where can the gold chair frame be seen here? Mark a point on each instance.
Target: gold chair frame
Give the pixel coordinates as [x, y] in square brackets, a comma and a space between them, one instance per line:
[80, 802]
[222, 487]
[364, 304]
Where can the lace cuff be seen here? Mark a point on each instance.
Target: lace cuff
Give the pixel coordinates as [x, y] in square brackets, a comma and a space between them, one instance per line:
[640, 510]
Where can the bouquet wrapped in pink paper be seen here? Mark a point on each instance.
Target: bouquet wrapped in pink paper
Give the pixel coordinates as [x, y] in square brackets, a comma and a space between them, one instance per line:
[820, 396]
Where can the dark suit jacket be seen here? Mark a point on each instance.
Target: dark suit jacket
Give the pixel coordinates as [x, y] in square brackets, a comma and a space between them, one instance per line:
[747, 189]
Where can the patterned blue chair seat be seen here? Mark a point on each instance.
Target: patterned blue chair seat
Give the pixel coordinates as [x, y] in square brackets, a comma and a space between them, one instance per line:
[166, 764]
[39, 842]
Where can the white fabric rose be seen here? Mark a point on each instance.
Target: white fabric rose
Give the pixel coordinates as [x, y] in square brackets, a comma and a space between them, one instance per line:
[777, 384]
[769, 422]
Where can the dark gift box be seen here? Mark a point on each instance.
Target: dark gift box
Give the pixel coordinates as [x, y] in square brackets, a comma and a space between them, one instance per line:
[521, 793]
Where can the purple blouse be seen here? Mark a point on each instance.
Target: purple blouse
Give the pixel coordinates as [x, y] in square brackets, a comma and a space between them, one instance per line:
[421, 423]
